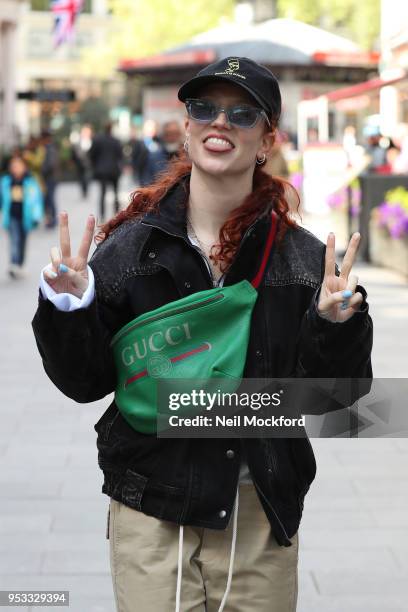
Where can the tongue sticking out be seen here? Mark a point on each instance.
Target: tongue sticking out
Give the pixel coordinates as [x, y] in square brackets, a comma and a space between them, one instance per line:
[218, 144]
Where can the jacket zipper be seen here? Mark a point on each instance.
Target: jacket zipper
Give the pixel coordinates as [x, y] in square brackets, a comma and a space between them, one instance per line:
[247, 231]
[170, 313]
[214, 281]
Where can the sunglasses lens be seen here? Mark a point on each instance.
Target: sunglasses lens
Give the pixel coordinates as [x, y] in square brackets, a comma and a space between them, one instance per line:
[200, 110]
[244, 116]
[206, 111]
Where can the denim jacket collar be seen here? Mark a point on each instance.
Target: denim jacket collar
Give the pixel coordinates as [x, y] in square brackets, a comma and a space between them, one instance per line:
[171, 218]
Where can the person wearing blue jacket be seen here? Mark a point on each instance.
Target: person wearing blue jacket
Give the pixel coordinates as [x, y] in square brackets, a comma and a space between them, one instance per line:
[22, 206]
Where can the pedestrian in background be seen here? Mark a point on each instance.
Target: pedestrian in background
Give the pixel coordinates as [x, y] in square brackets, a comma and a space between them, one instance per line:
[397, 153]
[33, 154]
[138, 154]
[170, 144]
[106, 157]
[80, 145]
[376, 153]
[49, 170]
[22, 207]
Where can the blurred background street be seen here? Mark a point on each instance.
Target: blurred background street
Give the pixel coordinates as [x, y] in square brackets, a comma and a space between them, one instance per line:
[88, 110]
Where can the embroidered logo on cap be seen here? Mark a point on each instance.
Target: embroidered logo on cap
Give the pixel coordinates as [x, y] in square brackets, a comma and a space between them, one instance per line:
[231, 69]
[233, 64]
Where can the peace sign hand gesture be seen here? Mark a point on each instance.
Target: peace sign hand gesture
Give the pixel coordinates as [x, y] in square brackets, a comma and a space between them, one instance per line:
[69, 274]
[338, 300]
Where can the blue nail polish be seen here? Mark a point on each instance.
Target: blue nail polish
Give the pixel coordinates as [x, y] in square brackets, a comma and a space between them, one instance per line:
[347, 293]
[344, 305]
[63, 268]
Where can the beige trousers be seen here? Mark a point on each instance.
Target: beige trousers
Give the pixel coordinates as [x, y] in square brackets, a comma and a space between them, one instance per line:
[144, 563]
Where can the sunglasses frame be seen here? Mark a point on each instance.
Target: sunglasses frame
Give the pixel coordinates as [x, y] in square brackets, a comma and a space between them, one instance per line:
[220, 109]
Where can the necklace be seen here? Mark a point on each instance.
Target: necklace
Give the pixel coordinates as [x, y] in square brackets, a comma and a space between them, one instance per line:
[191, 230]
[215, 272]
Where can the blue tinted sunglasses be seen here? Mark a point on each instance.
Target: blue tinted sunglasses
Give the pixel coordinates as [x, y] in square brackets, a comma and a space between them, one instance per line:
[241, 115]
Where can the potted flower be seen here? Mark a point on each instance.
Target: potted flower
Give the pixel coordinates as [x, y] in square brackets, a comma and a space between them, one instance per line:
[343, 204]
[347, 195]
[389, 231]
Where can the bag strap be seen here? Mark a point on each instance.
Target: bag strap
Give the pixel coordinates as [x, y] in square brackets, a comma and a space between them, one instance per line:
[268, 247]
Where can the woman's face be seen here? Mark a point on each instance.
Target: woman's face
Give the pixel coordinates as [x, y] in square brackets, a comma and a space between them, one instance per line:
[221, 148]
[17, 167]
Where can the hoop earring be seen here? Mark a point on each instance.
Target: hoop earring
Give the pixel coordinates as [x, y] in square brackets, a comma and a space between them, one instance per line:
[261, 160]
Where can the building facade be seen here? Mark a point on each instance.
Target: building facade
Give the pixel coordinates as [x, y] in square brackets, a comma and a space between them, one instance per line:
[378, 104]
[53, 83]
[10, 16]
[394, 63]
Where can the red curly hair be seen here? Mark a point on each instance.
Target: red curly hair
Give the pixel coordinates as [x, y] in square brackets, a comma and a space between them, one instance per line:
[267, 192]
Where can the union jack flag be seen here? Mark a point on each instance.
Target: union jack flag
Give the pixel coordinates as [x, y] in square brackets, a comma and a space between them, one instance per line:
[65, 13]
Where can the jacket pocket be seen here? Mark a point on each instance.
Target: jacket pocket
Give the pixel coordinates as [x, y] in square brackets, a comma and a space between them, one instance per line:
[133, 488]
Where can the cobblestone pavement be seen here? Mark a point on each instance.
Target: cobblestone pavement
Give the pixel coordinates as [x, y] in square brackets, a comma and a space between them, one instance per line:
[354, 534]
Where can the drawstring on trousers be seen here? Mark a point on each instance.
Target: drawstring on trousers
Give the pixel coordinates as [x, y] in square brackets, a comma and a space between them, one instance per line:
[179, 567]
[232, 555]
[231, 562]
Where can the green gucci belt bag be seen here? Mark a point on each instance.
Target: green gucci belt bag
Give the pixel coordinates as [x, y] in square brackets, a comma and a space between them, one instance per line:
[204, 336]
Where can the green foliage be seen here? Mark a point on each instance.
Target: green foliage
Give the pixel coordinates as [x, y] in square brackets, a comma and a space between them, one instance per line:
[145, 27]
[359, 21]
[398, 196]
[150, 26]
[303, 10]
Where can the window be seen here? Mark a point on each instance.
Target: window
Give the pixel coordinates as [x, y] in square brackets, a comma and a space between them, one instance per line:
[44, 5]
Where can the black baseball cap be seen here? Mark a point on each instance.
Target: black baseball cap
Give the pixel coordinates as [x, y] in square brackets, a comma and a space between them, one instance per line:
[242, 71]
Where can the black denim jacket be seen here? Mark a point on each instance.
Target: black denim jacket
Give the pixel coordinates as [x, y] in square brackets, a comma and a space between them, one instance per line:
[145, 264]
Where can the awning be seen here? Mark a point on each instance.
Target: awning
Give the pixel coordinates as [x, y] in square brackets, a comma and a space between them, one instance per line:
[344, 58]
[365, 87]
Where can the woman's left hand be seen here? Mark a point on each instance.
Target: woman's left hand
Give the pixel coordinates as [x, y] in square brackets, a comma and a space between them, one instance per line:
[338, 300]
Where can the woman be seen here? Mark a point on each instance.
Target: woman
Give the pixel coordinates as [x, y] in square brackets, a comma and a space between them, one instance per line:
[22, 205]
[204, 223]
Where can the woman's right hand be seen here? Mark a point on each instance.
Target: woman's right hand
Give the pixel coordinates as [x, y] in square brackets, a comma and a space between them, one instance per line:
[69, 274]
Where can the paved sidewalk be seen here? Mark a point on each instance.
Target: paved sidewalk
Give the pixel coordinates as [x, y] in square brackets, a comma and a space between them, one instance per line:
[354, 536]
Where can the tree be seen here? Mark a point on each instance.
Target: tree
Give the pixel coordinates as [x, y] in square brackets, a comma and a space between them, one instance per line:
[94, 111]
[145, 27]
[359, 21]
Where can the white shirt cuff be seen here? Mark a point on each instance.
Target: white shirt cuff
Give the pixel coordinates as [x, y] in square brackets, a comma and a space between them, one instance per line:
[66, 301]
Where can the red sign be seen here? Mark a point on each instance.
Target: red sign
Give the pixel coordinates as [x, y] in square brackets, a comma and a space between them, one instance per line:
[352, 58]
